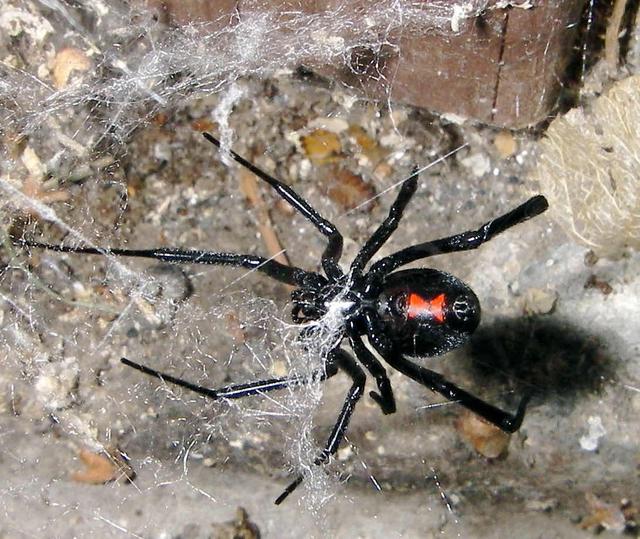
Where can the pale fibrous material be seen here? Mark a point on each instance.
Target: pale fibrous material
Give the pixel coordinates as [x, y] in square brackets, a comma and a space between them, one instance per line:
[589, 169]
[77, 79]
[131, 60]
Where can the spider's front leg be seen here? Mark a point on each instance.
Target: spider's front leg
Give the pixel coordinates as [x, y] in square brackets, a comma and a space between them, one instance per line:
[337, 359]
[285, 274]
[333, 251]
[436, 382]
[237, 391]
[465, 241]
[388, 226]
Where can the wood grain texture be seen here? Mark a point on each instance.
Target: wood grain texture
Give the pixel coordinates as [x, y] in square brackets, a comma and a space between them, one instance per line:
[502, 66]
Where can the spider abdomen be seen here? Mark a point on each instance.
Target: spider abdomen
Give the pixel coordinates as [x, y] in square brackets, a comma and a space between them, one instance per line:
[427, 312]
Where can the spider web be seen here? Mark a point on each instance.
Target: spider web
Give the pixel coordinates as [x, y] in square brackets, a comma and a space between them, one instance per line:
[100, 112]
[84, 92]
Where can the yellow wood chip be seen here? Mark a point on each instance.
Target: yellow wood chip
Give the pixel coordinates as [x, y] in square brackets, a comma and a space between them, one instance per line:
[321, 146]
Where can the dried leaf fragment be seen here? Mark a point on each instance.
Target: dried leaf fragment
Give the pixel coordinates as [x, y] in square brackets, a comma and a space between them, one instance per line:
[103, 467]
[33, 183]
[249, 188]
[600, 284]
[370, 147]
[235, 327]
[603, 515]
[203, 124]
[361, 137]
[506, 144]
[350, 191]
[240, 528]
[485, 438]
[65, 63]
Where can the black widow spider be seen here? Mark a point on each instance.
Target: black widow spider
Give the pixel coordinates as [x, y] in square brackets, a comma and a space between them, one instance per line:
[414, 312]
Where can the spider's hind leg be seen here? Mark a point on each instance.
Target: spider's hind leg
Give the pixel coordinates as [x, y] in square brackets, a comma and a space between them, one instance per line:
[508, 422]
[346, 363]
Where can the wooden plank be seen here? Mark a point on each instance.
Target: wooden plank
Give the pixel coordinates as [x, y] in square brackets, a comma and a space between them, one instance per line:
[501, 65]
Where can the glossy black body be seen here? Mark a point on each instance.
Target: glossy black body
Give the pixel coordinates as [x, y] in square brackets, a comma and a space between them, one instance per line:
[406, 313]
[423, 335]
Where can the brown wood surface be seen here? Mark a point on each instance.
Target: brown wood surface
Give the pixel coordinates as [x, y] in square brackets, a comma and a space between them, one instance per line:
[503, 67]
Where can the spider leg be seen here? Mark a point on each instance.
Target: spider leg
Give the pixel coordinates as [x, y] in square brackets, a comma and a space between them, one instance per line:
[436, 382]
[333, 251]
[346, 363]
[238, 391]
[388, 226]
[505, 421]
[280, 272]
[385, 398]
[460, 242]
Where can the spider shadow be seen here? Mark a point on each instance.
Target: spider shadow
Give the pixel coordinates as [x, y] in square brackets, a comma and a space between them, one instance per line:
[549, 357]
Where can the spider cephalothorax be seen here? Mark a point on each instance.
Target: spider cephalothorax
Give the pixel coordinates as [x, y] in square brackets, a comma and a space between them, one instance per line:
[314, 303]
[406, 313]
